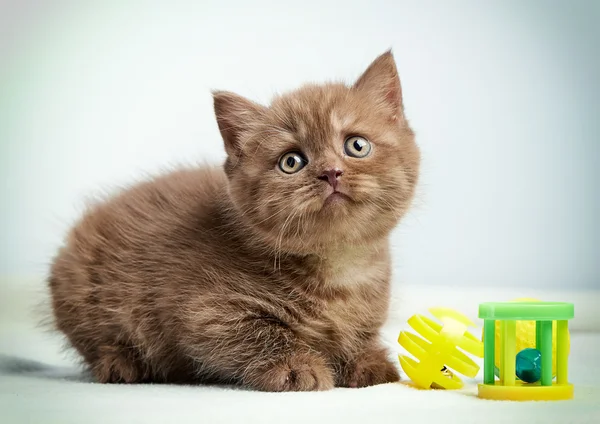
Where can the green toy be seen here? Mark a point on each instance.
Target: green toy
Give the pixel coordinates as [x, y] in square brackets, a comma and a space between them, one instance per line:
[509, 314]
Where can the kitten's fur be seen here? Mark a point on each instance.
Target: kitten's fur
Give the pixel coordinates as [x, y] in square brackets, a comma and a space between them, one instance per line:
[247, 275]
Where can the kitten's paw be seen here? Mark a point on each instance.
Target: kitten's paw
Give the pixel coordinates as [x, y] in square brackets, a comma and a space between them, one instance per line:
[369, 370]
[118, 365]
[297, 373]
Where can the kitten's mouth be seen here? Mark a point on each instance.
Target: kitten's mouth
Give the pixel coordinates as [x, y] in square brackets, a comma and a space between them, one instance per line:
[336, 197]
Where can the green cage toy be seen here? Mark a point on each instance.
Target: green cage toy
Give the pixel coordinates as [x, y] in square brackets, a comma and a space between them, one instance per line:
[526, 375]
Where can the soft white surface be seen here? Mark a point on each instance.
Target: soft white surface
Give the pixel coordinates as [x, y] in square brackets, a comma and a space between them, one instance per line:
[39, 384]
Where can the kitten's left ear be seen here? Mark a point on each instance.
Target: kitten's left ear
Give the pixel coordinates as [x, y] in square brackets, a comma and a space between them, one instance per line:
[235, 115]
[381, 81]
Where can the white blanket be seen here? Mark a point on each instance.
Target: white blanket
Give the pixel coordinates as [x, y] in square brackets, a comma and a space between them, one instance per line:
[40, 384]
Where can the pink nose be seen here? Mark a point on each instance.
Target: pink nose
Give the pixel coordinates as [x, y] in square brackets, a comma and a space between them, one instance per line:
[332, 176]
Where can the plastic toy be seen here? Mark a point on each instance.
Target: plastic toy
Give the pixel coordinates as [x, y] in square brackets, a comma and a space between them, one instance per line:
[510, 315]
[525, 333]
[437, 350]
[525, 344]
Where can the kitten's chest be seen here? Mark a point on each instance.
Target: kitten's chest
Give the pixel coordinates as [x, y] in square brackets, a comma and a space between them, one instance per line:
[353, 298]
[351, 268]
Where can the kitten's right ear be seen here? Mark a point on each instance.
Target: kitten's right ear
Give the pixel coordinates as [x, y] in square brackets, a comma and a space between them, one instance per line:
[382, 83]
[235, 114]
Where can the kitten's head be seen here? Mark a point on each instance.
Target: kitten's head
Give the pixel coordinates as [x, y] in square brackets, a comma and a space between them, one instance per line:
[324, 164]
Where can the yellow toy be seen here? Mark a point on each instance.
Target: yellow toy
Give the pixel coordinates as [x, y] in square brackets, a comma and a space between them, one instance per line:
[437, 350]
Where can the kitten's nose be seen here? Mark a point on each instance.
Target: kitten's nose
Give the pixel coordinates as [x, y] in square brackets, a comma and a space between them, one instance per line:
[332, 176]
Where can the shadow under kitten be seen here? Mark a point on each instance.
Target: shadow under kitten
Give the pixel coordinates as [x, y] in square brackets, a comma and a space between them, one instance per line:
[13, 365]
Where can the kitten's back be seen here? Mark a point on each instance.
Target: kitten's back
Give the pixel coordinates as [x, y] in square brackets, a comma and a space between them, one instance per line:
[99, 279]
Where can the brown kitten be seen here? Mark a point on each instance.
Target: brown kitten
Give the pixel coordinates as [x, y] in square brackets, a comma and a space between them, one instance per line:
[274, 273]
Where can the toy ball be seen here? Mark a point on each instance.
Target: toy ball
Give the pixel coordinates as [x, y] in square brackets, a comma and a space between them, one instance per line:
[438, 355]
[529, 365]
[525, 338]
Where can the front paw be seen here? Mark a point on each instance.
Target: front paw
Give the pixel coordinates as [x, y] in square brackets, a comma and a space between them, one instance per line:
[368, 370]
[296, 373]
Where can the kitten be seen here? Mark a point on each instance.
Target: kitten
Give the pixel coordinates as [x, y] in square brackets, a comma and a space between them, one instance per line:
[272, 272]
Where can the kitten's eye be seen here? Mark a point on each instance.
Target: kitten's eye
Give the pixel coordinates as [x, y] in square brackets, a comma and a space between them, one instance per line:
[292, 162]
[357, 147]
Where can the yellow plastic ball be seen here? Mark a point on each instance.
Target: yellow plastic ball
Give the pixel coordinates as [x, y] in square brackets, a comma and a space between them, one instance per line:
[526, 337]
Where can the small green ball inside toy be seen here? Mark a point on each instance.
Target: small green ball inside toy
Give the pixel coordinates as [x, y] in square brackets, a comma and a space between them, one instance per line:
[529, 365]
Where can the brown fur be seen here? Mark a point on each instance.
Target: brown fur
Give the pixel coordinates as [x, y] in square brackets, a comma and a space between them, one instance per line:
[247, 275]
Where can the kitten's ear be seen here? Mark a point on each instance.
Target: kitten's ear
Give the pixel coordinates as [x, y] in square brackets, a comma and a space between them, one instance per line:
[235, 114]
[381, 81]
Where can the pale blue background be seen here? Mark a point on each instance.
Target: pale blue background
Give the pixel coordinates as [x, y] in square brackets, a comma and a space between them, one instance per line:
[503, 95]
